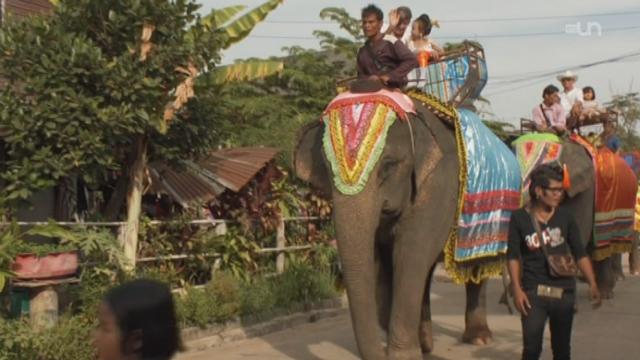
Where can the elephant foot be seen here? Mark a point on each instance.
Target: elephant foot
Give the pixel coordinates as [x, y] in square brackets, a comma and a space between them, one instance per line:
[426, 337]
[480, 335]
[403, 354]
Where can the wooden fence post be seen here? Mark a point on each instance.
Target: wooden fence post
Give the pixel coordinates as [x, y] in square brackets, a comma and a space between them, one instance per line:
[281, 243]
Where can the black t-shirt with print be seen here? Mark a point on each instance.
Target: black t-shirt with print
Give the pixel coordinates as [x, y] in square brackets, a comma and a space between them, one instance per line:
[560, 233]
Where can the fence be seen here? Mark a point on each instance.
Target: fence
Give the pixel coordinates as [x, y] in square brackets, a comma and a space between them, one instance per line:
[281, 240]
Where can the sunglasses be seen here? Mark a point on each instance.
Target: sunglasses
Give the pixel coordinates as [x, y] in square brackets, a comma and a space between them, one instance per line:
[554, 190]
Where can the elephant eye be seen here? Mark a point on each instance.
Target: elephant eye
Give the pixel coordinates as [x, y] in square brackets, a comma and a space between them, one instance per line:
[387, 168]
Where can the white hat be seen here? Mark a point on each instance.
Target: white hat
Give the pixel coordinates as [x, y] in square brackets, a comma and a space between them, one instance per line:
[567, 75]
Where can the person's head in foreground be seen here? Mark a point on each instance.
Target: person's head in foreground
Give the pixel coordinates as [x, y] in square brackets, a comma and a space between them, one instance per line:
[546, 188]
[137, 322]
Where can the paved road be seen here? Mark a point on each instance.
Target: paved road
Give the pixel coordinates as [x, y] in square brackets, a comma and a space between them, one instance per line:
[612, 332]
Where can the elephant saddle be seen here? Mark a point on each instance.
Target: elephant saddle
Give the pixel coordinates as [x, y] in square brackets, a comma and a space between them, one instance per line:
[356, 127]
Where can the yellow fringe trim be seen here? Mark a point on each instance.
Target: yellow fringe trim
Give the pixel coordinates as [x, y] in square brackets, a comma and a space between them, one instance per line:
[459, 273]
[616, 248]
[441, 109]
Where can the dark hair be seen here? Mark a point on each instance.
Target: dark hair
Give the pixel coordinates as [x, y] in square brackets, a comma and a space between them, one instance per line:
[550, 89]
[541, 177]
[586, 89]
[426, 24]
[146, 306]
[405, 12]
[372, 10]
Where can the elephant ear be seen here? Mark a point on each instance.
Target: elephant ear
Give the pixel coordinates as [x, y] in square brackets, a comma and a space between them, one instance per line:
[308, 160]
[433, 141]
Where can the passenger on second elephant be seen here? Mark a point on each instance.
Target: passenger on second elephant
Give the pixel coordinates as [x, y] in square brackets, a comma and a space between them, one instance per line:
[549, 116]
[571, 97]
[380, 59]
[609, 138]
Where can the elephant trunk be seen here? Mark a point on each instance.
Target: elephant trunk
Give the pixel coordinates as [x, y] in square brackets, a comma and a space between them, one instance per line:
[356, 221]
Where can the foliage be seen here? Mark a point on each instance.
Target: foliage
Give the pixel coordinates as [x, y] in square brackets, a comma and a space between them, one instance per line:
[237, 253]
[628, 107]
[502, 130]
[227, 297]
[8, 242]
[269, 112]
[245, 71]
[241, 27]
[234, 32]
[257, 296]
[302, 283]
[218, 302]
[82, 85]
[70, 339]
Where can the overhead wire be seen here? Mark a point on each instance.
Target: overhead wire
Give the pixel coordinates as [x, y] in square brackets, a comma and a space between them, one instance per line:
[503, 19]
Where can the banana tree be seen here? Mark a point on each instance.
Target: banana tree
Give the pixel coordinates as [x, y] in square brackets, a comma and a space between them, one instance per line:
[233, 31]
[112, 103]
[230, 32]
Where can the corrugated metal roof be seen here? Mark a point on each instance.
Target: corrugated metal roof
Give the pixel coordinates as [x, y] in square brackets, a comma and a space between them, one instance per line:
[21, 8]
[201, 181]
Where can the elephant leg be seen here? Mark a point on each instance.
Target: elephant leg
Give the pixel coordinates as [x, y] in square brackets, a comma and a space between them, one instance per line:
[383, 289]
[426, 325]
[475, 318]
[356, 245]
[616, 262]
[410, 272]
[605, 277]
[634, 256]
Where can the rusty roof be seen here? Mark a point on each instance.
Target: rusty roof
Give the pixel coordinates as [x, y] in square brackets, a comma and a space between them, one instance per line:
[22, 8]
[201, 181]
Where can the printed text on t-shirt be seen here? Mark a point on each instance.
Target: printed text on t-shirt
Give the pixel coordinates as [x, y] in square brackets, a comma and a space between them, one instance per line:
[552, 237]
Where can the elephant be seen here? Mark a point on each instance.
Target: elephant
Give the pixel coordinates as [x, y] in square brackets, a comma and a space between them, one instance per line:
[392, 232]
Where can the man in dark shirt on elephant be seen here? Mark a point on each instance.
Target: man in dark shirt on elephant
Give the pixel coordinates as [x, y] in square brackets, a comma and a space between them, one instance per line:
[380, 59]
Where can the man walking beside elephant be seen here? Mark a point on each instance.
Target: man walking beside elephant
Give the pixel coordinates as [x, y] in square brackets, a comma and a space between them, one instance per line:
[540, 235]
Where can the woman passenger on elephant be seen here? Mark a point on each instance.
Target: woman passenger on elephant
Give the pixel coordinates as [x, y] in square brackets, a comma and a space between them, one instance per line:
[420, 44]
[539, 295]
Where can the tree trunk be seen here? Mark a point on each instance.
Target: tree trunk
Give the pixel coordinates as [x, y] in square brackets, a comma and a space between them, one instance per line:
[129, 232]
[112, 210]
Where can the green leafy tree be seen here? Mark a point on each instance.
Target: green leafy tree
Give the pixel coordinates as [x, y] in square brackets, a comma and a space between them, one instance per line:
[269, 111]
[103, 87]
[628, 107]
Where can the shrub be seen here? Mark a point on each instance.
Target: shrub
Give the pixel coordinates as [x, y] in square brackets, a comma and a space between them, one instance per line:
[257, 296]
[301, 283]
[218, 302]
[70, 339]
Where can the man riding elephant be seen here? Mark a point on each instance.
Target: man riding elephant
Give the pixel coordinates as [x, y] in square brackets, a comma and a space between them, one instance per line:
[380, 59]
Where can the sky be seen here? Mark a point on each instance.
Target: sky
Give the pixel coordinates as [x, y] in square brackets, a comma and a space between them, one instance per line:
[521, 39]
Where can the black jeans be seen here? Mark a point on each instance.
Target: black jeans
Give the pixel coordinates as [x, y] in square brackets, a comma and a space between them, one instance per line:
[560, 315]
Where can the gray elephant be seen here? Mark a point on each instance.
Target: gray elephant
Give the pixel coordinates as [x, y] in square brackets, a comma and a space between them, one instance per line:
[392, 231]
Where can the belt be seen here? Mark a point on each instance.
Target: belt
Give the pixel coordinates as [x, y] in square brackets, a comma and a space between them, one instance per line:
[550, 291]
